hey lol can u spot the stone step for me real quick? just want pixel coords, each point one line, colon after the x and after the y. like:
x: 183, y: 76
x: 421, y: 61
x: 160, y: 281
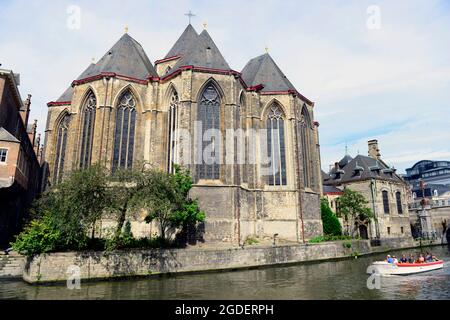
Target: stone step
x: 13, y: 265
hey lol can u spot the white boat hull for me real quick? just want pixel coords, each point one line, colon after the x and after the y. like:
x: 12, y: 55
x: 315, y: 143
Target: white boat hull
x: 385, y: 268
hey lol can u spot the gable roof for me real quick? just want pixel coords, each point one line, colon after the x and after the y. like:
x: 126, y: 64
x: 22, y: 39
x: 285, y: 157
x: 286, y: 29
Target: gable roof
x: 6, y: 136
x: 125, y: 58
x: 263, y: 70
x: 203, y: 53
x: 362, y: 168
x: 183, y: 44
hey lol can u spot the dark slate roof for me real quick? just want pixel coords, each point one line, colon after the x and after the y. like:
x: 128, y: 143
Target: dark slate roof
x: 6, y: 136
x: 331, y: 189
x: 344, y: 161
x: 203, y: 53
x: 363, y: 168
x: 126, y: 58
x: 263, y: 70
x: 183, y: 44
x: 68, y: 94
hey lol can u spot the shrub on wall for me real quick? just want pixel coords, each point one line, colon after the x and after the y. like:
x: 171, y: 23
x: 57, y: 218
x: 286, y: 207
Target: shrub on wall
x: 331, y: 225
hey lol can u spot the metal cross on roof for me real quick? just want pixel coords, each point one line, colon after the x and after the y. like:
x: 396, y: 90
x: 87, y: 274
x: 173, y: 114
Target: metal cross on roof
x: 190, y: 15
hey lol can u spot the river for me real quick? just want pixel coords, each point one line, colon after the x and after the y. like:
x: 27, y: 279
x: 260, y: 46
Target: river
x: 326, y: 280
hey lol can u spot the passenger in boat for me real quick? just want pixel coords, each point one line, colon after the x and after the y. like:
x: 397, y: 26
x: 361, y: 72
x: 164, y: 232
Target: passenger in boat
x: 434, y: 259
x: 421, y: 259
x: 428, y: 257
x: 403, y: 259
x: 395, y: 259
x: 411, y: 259
x: 389, y: 259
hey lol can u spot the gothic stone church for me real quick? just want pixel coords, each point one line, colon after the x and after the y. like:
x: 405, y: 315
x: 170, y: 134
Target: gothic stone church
x: 124, y: 112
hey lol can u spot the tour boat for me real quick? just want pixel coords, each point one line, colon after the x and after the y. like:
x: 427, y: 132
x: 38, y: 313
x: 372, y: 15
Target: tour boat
x: 385, y: 268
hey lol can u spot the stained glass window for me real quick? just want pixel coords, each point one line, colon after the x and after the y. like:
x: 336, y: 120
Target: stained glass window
x: 398, y: 196
x: 87, y: 130
x: 61, y: 145
x: 209, y: 116
x: 386, y: 202
x: 124, y: 134
x: 305, y: 127
x: 276, y: 147
x: 172, y: 138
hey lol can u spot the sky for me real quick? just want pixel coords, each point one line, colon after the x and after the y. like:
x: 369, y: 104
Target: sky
x: 375, y: 69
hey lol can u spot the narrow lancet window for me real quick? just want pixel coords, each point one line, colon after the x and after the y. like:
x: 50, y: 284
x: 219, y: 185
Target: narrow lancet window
x: 276, y: 147
x: 173, y: 130
x: 61, y: 145
x: 87, y: 130
x: 305, y: 138
x: 124, y: 134
x: 209, y: 117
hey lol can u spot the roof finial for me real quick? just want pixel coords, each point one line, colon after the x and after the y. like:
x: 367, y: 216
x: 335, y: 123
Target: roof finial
x: 126, y: 28
x: 205, y: 25
x: 93, y: 60
x: 267, y: 49
x: 346, y: 148
x: 190, y: 15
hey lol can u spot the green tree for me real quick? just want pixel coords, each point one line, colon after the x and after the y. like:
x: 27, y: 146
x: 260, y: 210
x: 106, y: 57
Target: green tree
x: 64, y: 215
x: 331, y: 224
x: 124, y: 187
x: 166, y: 197
x: 353, y: 206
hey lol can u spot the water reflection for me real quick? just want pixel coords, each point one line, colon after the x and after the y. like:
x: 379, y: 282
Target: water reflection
x: 328, y: 280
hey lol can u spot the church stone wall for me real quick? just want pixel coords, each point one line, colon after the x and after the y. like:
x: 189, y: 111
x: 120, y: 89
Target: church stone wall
x: 240, y: 204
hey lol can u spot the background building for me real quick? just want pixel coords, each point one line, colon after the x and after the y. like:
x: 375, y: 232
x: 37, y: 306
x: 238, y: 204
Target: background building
x: 431, y: 172
x: 386, y: 192
x: 19, y: 163
x: 124, y: 112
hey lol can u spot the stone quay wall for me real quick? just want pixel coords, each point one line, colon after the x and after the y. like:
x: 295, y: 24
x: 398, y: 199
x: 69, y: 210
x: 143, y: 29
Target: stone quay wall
x: 57, y: 267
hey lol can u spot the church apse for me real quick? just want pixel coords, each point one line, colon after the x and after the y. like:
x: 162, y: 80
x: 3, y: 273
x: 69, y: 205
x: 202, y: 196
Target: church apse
x: 247, y: 137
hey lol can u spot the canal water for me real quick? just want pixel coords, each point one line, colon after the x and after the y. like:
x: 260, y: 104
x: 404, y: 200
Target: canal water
x: 327, y: 280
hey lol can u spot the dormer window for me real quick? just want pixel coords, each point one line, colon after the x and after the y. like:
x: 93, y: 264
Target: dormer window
x: 338, y: 174
x: 376, y: 169
x: 358, y: 171
x: 169, y: 68
x: 389, y: 172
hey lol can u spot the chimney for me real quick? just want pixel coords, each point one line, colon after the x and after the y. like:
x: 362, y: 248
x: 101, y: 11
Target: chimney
x: 32, y: 133
x: 37, y: 145
x: 374, y: 151
x: 25, y: 112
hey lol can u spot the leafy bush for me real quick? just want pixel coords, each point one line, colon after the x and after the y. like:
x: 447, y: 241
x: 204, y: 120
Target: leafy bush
x: 40, y: 236
x: 251, y: 241
x: 347, y: 245
x: 331, y: 224
x: 328, y: 238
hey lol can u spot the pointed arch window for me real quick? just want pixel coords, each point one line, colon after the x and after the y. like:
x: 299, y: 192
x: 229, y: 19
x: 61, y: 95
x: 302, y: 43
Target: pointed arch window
x: 172, y: 136
x: 87, y: 130
x: 385, y: 196
x: 124, y: 134
x: 305, y: 139
x: 61, y: 145
x: 209, y: 117
x: 276, y: 147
